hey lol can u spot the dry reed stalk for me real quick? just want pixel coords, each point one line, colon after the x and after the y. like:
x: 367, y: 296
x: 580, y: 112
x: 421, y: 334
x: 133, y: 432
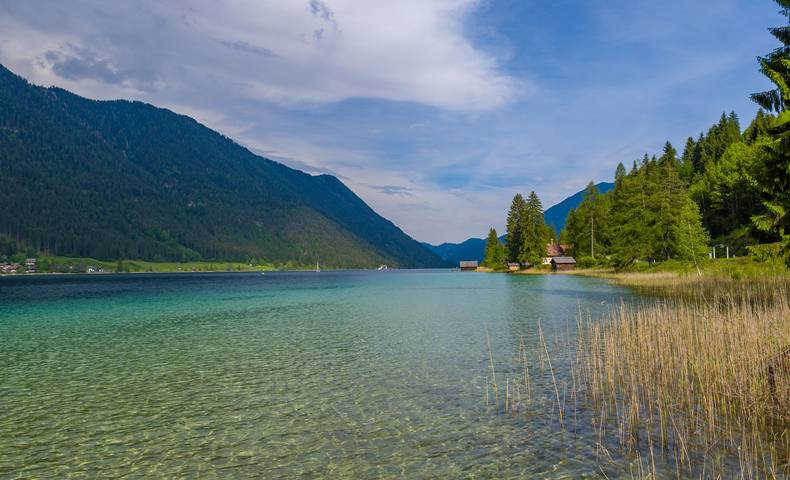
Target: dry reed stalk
x: 553, y: 377
x: 493, y: 370
x: 522, y: 350
x: 703, y: 370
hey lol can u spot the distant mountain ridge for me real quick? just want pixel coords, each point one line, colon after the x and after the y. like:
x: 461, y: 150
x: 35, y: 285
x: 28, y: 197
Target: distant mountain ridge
x: 121, y: 179
x: 471, y: 249
x: 557, y: 215
x: 474, y: 248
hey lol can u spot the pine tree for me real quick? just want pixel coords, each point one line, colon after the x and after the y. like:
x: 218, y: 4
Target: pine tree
x: 687, y: 160
x: 671, y: 194
x: 758, y: 128
x: 690, y: 239
x: 589, y: 231
x: 536, y: 232
x: 494, y: 252
x: 515, y: 222
x: 670, y: 156
x: 619, y: 174
x: 773, y: 173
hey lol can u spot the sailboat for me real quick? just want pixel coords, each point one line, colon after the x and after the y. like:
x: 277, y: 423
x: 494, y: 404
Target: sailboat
x: 317, y: 267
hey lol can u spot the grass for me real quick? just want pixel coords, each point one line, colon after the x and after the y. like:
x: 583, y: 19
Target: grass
x: 703, y: 375
x: 77, y: 265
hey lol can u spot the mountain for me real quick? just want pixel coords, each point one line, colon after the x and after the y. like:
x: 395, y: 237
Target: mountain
x: 556, y: 215
x: 474, y: 248
x: 121, y: 179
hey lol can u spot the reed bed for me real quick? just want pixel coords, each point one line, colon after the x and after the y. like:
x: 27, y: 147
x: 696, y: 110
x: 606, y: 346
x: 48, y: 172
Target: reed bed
x: 696, y: 376
x: 702, y: 375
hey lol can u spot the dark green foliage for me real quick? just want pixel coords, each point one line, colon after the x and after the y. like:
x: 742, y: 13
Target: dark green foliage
x: 715, y: 142
x: 648, y: 216
x: 122, y: 179
x: 587, y: 229
x: 758, y: 128
x: 527, y: 232
x: 728, y: 197
x: 620, y: 173
x: 515, y: 224
x: 536, y: 234
x: 494, y: 252
x: 772, y: 171
x: 687, y: 160
x: 557, y: 215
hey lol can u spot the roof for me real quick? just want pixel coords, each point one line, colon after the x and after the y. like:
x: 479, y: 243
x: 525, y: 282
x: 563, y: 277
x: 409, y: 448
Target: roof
x: 563, y: 260
x: 554, y: 250
x: 468, y: 263
x: 514, y: 264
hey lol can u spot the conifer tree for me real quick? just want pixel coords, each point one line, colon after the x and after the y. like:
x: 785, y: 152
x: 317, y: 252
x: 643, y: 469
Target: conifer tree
x: 494, y: 252
x: 687, y: 160
x: 619, y: 174
x: 758, y: 128
x: 690, y: 239
x: 588, y: 232
x: 536, y: 232
x: 773, y: 172
x: 515, y: 223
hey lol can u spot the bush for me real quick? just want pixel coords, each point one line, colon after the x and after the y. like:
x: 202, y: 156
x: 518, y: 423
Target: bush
x: 767, y: 252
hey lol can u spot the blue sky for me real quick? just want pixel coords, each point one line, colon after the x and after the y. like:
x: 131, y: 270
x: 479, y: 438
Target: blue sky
x: 435, y: 112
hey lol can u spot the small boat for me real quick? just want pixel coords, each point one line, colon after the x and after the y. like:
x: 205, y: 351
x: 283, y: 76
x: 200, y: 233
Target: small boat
x: 382, y: 267
x: 317, y: 267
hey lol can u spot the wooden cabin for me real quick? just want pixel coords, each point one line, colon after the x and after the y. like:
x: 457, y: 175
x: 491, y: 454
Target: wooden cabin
x: 468, y: 265
x: 563, y: 264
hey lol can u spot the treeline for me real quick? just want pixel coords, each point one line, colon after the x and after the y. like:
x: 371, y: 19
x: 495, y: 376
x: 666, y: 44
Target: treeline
x: 526, y: 238
x: 124, y: 180
x: 728, y: 187
x: 649, y: 216
x: 677, y: 206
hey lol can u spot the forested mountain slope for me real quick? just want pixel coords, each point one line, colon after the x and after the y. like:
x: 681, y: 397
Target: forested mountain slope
x: 120, y: 179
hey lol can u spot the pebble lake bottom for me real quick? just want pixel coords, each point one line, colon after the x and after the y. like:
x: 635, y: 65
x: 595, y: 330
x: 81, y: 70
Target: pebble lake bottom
x: 353, y: 374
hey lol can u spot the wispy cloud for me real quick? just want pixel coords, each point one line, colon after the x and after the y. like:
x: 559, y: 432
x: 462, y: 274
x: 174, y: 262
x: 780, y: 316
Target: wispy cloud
x: 435, y: 112
x: 248, y: 48
x: 286, y: 52
x: 393, y: 190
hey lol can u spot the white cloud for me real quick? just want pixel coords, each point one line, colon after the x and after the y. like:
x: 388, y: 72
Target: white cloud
x: 287, y: 52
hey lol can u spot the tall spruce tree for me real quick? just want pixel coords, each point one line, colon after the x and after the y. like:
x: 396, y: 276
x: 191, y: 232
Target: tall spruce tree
x: 536, y: 233
x: 773, y: 172
x: 687, y: 160
x: 620, y: 173
x: 494, y: 252
x: 515, y: 224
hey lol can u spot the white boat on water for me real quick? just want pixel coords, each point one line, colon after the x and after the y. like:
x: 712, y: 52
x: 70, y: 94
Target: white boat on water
x: 382, y: 267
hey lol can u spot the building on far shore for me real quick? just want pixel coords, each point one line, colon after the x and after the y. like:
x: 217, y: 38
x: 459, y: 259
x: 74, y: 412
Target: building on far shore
x: 555, y: 250
x: 30, y: 265
x: 468, y: 265
x: 514, y: 267
x: 562, y: 264
x: 10, y: 268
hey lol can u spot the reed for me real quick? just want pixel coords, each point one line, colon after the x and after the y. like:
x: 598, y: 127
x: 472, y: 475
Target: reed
x: 702, y: 375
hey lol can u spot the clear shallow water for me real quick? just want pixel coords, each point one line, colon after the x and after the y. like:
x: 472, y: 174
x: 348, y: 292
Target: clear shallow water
x: 337, y: 374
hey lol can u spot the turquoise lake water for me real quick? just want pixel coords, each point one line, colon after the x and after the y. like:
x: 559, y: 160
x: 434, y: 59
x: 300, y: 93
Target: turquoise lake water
x: 283, y: 375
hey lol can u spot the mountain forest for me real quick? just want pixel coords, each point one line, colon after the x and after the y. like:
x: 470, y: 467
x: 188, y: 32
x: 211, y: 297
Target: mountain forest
x: 125, y: 180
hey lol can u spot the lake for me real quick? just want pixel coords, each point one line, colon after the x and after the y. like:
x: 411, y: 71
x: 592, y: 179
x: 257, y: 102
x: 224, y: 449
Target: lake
x: 331, y: 374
